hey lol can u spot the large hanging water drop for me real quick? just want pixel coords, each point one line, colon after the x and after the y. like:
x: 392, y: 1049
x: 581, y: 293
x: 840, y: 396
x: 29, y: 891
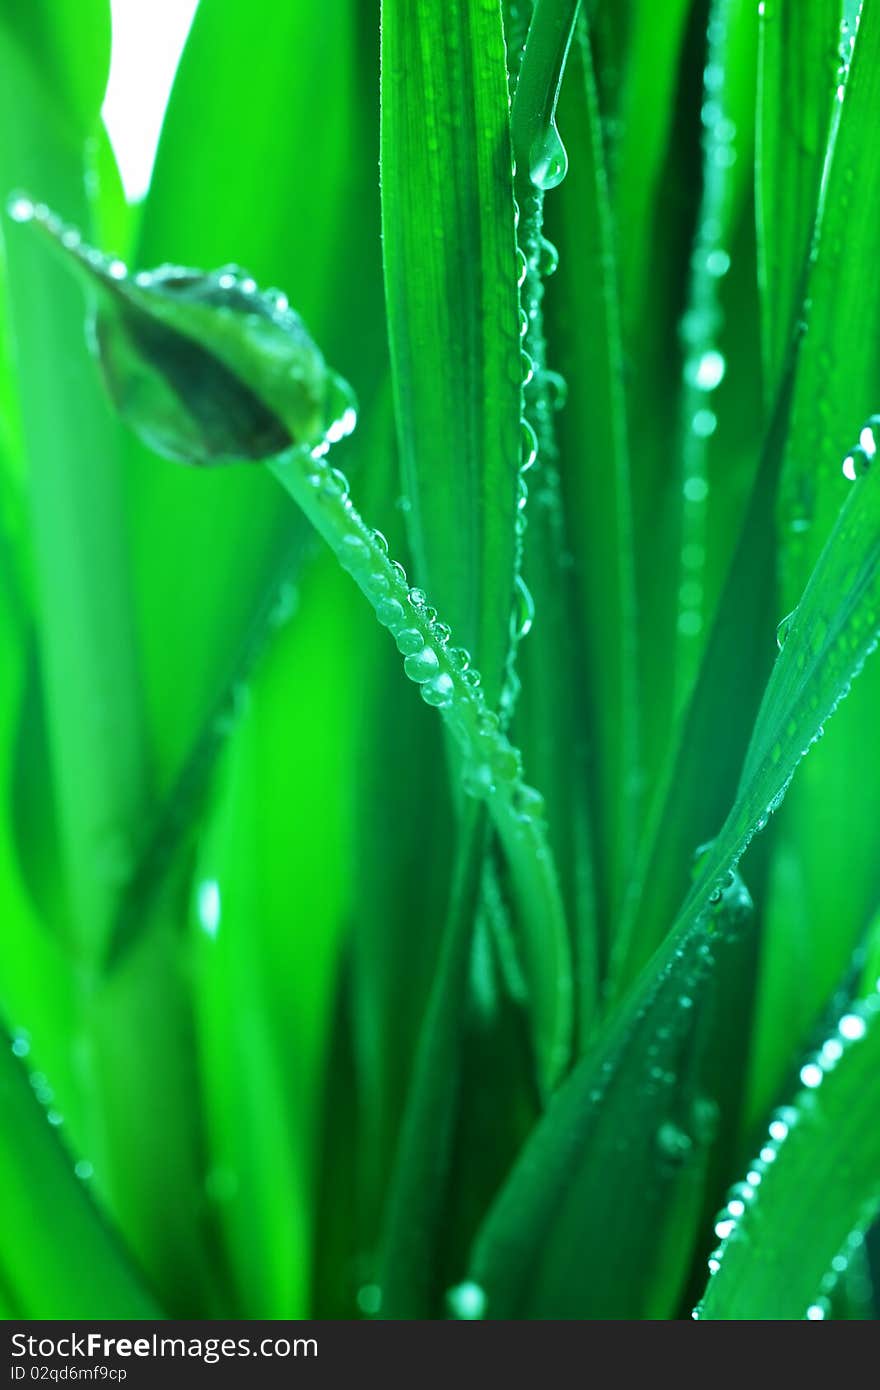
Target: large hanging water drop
x: 548, y: 164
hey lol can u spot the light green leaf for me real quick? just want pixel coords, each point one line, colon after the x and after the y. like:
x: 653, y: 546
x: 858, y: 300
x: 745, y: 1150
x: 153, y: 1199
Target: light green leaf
x: 812, y: 1191
x: 58, y: 1254
x: 450, y: 275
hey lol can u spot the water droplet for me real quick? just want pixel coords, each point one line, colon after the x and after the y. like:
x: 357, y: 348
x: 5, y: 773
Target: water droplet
x: 417, y: 597
x: 83, y: 1169
x: 380, y: 540
x: 522, y: 268
x: 548, y: 159
x: 695, y: 489
x: 674, y: 1144
x: 409, y: 640
x: 20, y: 1045
x: 869, y: 435
x: 473, y: 678
x: 528, y: 446
x: 459, y: 658
x: 706, y: 371
x: 524, y: 609
x: 354, y: 551
x: 209, y: 906
x: 811, y: 1075
x: 438, y: 691
x: 783, y: 628
x: 556, y: 387
x: 725, y: 1224
x: 528, y: 369
x: 548, y: 257
x: 852, y: 1027
x: 369, y: 1300
x: 20, y: 207
x: 782, y: 1121
x: 441, y: 633
x: 506, y: 762
x: 717, y: 263
x: 477, y: 780
x: 856, y: 463
x: 818, y: 1311
x: 399, y: 571
x: 523, y: 323
x: 421, y: 666
x: 529, y: 803
x: 704, y: 424
x: 390, y: 612
x: 467, y: 1301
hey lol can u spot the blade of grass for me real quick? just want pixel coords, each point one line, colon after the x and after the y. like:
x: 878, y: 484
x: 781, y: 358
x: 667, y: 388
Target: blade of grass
x: 91, y: 679
x: 797, y: 78
x: 584, y: 321
x: 830, y: 816
x: 418, y: 1188
x: 52, y: 1233
x: 817, y: 1187
x: 835, y: 629
x: 613, y: 1173
x: 450, y: 275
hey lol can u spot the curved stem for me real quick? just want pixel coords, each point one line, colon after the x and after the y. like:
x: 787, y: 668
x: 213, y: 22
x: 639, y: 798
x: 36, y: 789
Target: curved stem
x: 492, y: 766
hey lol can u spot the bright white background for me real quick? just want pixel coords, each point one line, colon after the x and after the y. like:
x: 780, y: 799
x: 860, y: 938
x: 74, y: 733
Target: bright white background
x: 148, y: 37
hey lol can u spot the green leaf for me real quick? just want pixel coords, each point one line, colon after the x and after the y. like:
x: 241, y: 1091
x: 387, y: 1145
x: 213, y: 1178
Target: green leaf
x: 830, y: 815
x: 811, y: 1193
x: 58, y: 1254
x: 45, y: 36
x: 797, y: 79
x: 204, y: 367
x: 450, y: 275
x: 613, y: 1173
x: 583, y: 311
x: 834, y: 630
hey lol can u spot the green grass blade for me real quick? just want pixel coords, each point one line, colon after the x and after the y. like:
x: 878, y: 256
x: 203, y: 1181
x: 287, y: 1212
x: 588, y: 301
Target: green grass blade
x: 811, y: 1193
x: 236, y: 180
x: 686, y: 806
x: 835, y: 628
x: 418, y: 1189
x: 830, y: 814
x: 797, y: 78
x: 59, y: 1258
x: 613, y: 1172
x: 583, y: 314
x: 93, y: 695
x: 450, y: 263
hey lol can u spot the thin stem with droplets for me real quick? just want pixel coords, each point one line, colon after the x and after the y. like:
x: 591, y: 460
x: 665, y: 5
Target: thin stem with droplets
x: 492, y: 766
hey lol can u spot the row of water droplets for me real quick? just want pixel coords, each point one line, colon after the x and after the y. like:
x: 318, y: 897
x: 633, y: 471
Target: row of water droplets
x: 677, y: 1141
x: 732, y: 1223
x: 230, y: 279
x: 855, y: 465
x: 542, y: 391
x: 443, y: 671
x: 704, y: 364
x: 45, y: 1095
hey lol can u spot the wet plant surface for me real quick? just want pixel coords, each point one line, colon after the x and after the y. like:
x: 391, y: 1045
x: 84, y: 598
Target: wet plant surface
x: 551, y: 993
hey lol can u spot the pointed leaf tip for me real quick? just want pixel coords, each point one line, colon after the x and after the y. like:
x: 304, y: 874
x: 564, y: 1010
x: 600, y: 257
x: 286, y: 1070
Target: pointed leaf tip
x: 203, y: 365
